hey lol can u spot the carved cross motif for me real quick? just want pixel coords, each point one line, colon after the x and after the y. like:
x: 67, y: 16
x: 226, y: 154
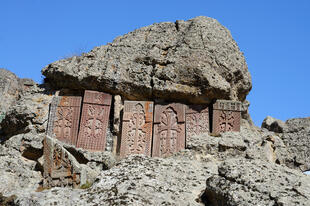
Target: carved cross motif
x: 227, y: 121
x: 63, y: 122
x: 226, y: 116
x: 197, y: 123
x: 94, y: 121
x: 136, y: 133
x: 169, y: 129
x: 58, y: 167
x: 93, y: 127
x: 137, y: 128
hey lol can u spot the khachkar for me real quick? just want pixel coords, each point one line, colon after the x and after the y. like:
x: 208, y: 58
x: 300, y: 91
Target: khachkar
x: 94, y: 120
x: 226, y: 116
x: 63, y: 121
x: 60, y: 167
x: 197, y: 120
x: 137, y: 128
x: 169, y: 129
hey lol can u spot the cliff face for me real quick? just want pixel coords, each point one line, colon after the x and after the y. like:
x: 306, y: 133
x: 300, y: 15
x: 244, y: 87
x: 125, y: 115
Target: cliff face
x: 192, y: 61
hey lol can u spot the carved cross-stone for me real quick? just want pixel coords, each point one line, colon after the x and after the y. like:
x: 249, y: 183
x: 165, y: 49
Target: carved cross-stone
x: 59, y: 170
x: 169, y: 129
x: 226, y: 116
x: 197, y: 120
x: 64, y: 118
x: 137, y: 128
x: 94, y: 120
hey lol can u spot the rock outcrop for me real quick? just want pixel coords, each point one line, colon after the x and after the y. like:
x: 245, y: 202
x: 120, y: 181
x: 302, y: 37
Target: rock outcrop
x: 274, y: 125
x: 295, y: 134
x: 193, y: 61
x: 245, y: 182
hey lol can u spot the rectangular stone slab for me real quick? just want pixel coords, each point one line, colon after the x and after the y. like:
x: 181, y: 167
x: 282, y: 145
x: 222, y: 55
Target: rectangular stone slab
x: 137, y: 128
x: 60, y: 168
x: 169, y: 129
x: 226, y: 116
x: 94, y: 121
x: 64, y: 118
x: 197, y: 120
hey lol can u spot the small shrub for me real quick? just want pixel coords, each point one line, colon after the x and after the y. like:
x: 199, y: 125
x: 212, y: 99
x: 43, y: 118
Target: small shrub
x: 86, y: 185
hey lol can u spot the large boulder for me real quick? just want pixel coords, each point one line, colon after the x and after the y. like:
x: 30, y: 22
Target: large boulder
x: 193, y: 61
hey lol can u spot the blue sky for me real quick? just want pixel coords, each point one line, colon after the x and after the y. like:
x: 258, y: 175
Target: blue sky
x: 274, y: 36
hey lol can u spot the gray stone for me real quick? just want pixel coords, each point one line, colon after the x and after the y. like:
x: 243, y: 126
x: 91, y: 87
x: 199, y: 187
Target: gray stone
x: 29, y: 113
x: 95, y: 160
x: 274, y: 125
x: 18, y: 166
x: 246, y: 182
x: 9, y: 89
x: 194, y: 61
x: 296, y: 138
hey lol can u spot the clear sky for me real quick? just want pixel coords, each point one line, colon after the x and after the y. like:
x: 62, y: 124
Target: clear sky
x: 274, y: 36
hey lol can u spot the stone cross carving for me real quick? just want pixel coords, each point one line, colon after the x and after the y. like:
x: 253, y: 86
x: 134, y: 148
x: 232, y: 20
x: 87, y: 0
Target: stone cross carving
x: 94, y: 120
x: 197, y: 120
x: 226, y: 116
x: 64, y: 118
x: 137, y: 128
x: 59, y: 170
x: 169, y: 129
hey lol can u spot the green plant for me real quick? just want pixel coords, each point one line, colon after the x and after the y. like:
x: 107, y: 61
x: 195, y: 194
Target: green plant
x: 86, y: 185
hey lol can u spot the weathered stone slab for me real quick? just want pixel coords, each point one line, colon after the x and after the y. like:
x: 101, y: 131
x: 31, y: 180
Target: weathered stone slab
x: 60, y: 167
x: 169, y: 129
x: 137, y: 128
x: 197, y: 120
x: 226, y: 116
x: 94, y: 120
x: 64, y: 118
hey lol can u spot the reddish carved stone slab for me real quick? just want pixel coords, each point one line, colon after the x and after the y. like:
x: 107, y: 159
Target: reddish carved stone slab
x: 94, y: 121
x: 226, y: 116
x: 137, y: 128
x: 169, y: 129
x: 197, y: 120
x: 59, y: 169
x: 64, y: 118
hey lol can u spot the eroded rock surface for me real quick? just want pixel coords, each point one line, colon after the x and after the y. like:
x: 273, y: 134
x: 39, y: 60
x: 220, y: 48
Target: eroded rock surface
x: 295, y: 134
x: 246, y: 182
x: 194, y: 61
x: 297, y: 140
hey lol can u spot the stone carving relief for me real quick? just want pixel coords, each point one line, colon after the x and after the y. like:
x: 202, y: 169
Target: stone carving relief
x: 197, y: 120
x: 226, y: 116
x: 58, y: 167
x: 169, y: 129
x: 64, y: 118
x: 137, y: 128
x: 94, y: 121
